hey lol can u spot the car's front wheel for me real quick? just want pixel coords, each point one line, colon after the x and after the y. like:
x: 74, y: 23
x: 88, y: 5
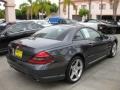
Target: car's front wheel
x: 113, y: 50
x: 74, y: 70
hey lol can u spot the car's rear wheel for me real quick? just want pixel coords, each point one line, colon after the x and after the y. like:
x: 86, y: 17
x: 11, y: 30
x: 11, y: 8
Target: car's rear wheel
x: 74, y: 70
x: 113, y: 50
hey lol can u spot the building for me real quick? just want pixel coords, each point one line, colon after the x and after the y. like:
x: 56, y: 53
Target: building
x: 107, y: 9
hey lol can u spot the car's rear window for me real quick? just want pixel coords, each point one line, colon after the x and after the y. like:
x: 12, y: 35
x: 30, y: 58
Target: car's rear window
x: 54, y: 32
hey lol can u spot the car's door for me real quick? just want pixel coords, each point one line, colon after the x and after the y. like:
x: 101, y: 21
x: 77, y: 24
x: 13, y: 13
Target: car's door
x: 84, y: 45
x: 95, y: 46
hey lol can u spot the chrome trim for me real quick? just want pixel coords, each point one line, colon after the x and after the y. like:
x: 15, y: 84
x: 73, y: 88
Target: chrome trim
x: 97, y: 59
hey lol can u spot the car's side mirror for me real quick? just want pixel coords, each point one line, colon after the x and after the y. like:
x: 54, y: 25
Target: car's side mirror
x: 105, y: 36
x: 99, y: 38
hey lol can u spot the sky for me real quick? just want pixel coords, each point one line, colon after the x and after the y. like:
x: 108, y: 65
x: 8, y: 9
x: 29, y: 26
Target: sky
x: 18, y: 2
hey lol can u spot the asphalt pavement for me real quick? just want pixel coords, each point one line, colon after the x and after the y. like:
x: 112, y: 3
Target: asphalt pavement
x: 104, y: 75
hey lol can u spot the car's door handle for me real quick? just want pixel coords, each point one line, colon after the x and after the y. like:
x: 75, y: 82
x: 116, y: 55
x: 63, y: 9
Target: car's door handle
x: 91, y: 44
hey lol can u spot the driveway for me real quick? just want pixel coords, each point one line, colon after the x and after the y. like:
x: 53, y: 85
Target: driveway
x: 104, y: 75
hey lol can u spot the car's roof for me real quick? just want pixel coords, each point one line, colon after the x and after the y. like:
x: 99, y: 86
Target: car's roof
x: 70, y: 26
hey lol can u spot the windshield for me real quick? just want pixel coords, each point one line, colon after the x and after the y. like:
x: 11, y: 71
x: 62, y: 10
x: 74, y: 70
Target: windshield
x: 17, y: 27
x: 54, y: 32
x: 23, y: 26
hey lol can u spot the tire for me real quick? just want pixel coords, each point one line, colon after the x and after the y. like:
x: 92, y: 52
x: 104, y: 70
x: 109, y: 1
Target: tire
x: 113, y: 50
x: 74, y: 70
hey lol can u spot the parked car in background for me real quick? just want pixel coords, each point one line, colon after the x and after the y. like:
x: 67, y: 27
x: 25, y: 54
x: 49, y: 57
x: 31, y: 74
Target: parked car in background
x: 17, y: 31
x: 2, y: 21
x: 109, y: 27
x: 59, y: 20
x: 5, y: 25
x: 92, y: 23
x: 60, y: 52
x: 43, y: 23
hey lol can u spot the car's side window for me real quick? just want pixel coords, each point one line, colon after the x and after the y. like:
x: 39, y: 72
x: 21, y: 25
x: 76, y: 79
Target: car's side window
x: 90, y: 33
x: 78, y: 36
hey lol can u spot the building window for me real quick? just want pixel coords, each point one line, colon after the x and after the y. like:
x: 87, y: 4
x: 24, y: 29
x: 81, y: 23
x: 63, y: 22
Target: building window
x: 84, y: 6
x: 102, y: 6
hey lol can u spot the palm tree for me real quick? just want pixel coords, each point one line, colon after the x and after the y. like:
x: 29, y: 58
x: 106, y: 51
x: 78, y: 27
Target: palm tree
x: 59, y: 7
x: 30, y: 2
x: 25, y: 9
x: 68, y: 3
x: 36, y: 8
x: 115, y: 7
x: 101, y: 9
x: 89, y: 15
x: 45, y: 7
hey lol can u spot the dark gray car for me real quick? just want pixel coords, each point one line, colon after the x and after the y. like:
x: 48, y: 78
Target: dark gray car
x: 59, y: 52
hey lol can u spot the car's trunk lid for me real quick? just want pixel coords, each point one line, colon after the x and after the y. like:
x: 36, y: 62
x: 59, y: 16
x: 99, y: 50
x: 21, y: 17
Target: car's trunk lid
x: 28, y: 47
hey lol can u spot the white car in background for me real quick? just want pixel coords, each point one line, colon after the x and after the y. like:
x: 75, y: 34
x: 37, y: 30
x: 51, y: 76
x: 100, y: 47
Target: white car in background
x: 92, y: 23
x: 119, y: 23
x: 44, y: 23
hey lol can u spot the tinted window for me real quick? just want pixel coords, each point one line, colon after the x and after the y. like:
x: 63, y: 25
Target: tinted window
x: 90, y: 33
x: 55, y: 32
x: 18, y: 27
x: 78, y: 36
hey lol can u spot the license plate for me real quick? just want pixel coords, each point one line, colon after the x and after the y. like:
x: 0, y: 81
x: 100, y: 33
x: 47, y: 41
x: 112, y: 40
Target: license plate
x: 18, y: 53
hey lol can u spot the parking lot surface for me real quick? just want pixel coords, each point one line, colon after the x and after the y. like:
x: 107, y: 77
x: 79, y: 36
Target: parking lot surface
x: 104, y: 75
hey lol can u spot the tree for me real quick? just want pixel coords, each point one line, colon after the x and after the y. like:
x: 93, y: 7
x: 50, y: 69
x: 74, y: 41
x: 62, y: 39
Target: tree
x: 53, y: 8
x: 101, y: 9
x: 115, y: 7
x: 2, y: 14
x: 30, y: 7
x: 68, y: 3
x: 18, y: 13
x: 36, y: 8
x: 59, y: 7
x: 83, y: 12
x: 89, y: 15
x: 25, y: 10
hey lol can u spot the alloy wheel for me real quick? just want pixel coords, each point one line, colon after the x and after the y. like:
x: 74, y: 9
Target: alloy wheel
x: 76, y: 70
x: 114, y: 49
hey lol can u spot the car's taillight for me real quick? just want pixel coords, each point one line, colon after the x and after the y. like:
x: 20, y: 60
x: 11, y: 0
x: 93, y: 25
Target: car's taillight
x: 41, y: 58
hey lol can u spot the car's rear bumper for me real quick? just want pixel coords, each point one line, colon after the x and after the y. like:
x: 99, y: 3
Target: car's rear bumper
x: 37, y: 72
